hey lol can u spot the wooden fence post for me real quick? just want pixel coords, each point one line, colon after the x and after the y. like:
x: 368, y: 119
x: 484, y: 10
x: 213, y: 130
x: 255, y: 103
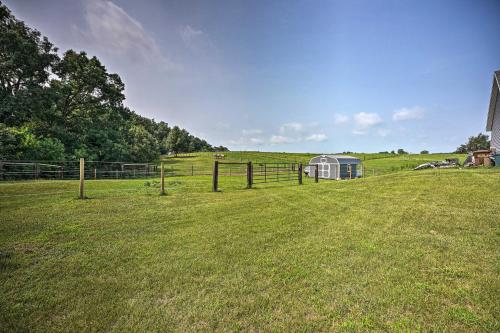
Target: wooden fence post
x: 37, y: 167
x: 316, y: 174
x: 215, y: 177
x: 192, y: 170
x: 249, y: 175
x: 300, y: 173
x: 162, y: 182
x: 95, y: 173
x: 82, y: 177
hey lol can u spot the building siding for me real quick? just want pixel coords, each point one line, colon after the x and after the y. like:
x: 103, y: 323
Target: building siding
x: 495, y: 128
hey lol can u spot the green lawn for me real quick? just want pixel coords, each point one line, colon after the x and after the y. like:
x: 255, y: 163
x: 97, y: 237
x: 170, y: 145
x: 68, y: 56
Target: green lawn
x: 408, y: 251
x: 374, y: 164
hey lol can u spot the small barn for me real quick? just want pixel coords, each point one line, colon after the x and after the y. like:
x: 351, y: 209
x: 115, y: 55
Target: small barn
x: 335, y: 167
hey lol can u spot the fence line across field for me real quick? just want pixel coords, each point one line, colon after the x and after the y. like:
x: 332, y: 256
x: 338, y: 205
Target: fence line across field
x: 62, y: 170
x: 260, y: 173
x: 15, y: 170
x: 255, y: 172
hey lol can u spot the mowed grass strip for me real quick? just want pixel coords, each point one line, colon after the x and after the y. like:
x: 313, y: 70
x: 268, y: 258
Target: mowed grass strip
x: 413, y: 251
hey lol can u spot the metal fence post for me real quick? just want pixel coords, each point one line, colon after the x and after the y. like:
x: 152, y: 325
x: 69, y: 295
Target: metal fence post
x: 215, y: 176
x: 162, y: 175
x: 316, y: 174
x: 300, y: 173
x: 82, y: 178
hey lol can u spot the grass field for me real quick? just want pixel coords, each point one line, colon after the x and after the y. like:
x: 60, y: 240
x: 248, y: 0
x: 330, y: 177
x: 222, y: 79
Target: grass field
x: 407, y: 251
x: 374, y: 164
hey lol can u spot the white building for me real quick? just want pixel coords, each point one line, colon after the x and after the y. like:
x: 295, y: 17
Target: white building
x: 493, y: 123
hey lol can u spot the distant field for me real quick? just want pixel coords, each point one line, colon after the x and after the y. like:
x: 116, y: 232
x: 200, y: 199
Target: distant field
x: 374, y: 164
x: 410, y: 251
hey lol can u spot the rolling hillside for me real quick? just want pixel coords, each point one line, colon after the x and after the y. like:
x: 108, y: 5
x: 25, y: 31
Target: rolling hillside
x: 375, y: 164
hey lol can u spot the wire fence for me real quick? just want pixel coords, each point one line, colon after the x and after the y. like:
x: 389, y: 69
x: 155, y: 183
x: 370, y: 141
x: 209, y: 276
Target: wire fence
x: 65, y: 170
x: 69, y: 169
x: 61, y: 177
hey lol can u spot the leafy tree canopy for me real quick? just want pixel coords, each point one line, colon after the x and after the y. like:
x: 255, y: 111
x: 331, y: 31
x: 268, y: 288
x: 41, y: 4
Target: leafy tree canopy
x: 479, y: 142
x: 54, y: 108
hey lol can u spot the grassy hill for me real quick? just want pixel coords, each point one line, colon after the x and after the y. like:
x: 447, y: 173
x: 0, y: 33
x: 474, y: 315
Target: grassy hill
x: 413, y: 251
x: 374, y: 164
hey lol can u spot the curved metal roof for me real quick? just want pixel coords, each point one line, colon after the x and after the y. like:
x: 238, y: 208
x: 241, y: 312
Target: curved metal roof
x: 342, y: 159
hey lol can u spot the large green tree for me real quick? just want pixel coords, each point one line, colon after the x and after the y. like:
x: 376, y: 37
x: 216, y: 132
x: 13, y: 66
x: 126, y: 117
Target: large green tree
x: 173, y: 142
x: 53, y: 108
x: 479, y: 142
x: 25, y: 62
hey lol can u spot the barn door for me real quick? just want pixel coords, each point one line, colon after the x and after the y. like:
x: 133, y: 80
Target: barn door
x: 324, y: 170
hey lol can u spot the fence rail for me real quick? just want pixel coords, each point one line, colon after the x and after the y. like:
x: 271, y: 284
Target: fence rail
x: 260, y: 173
x: 16, y: 170
x: 274, y: 172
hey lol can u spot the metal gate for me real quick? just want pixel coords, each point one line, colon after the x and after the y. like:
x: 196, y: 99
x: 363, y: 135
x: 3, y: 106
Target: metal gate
x: 260, y: 173
x: 274, y: 172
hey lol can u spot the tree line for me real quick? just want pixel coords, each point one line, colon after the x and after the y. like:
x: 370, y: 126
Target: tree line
x: 56, y: 108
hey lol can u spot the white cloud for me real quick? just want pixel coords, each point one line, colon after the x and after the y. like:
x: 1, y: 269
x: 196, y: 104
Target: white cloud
x: 358, y: 132
x: 317, y: 137
x: 245, y: 141
x: 112, y: 30
x: 366, y: 120
x: 383, y: 132
x: 291, y: 127
x: 256, y: 141
x: 341, y: 119
x: 195, y: 39
x: 188, y: 34
x: 252, y: 131
x: 415, y: 112
x: 277, y: 139
x: 294, y: 132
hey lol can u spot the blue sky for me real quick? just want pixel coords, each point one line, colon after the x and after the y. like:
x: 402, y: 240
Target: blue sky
x: 296, y: 76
